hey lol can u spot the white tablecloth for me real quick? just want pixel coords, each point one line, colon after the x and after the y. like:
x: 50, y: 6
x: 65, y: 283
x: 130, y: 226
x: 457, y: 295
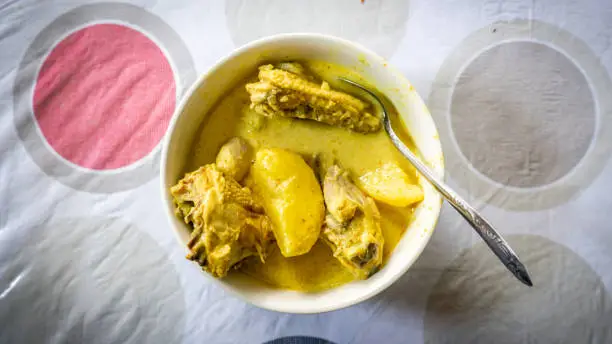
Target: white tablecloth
x: 520, y: 92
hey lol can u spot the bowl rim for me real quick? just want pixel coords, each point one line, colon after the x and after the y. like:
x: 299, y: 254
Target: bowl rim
x: 324, y: 308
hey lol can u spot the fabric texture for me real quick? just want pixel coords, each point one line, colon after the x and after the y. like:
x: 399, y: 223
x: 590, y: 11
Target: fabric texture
x: 520, y: 93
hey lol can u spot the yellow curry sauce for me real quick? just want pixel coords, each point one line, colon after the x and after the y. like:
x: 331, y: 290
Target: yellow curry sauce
x: 359, y: 153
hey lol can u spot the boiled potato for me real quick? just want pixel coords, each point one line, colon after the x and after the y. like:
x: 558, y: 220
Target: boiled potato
x: 234, y: 158
x: 391, y: 185
x: 292, y: 198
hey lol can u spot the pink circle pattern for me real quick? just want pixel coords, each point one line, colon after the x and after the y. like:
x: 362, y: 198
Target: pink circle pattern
x: 104, y: 96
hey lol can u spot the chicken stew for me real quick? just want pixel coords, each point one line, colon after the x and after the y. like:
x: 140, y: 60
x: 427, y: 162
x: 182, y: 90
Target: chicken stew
x: 295, y: 183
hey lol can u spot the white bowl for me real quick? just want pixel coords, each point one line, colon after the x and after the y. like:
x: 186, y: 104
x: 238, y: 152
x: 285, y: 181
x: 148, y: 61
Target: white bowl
x: 244, y: 61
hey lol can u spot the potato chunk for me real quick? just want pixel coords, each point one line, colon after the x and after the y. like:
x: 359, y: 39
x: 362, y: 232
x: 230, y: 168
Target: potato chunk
x: 234, y: 158
x: 292, y: 198
x: 390, y: 185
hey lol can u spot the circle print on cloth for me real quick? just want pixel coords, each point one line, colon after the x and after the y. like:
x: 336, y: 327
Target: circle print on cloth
x: 104, y: 97
x: 379, y: 25
x: 299, y: 340
x: 476, y: 300
x: 537, y: 115
x: 95, y: 92
x: 94, y: 280
x: 526, y: 123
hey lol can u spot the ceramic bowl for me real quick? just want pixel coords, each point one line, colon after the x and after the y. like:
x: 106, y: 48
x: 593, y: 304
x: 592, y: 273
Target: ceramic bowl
x: 222, y: 77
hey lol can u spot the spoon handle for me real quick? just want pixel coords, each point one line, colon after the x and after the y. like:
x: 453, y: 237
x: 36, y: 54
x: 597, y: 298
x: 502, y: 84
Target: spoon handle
x: 498, y: 245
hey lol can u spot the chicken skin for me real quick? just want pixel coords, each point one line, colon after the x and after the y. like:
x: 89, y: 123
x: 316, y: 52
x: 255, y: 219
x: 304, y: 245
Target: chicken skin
x: 228, y: 224
x: 352, y: 225
x: 288, y: 92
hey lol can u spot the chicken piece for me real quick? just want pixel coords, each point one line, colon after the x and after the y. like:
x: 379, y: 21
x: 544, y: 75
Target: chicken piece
x: 281, y: 93
x: 342, y: 197
x: 352, y: 225
x: 295, y: 68
x: 234, y: 158
x: 228, y: 224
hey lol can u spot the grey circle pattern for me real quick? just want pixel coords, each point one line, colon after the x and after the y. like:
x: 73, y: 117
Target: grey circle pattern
x: 379, y: 25
x: 94, y: 280
x: 476, y: 300
x: 79, y: 178
x: 523, y: 114
x: 494, y: 146
x: 299, y: 340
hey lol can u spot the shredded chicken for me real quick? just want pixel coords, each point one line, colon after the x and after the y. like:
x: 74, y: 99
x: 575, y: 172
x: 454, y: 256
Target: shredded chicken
x: 288, y: 92
x: 228, y: 224
x: 352, y: 225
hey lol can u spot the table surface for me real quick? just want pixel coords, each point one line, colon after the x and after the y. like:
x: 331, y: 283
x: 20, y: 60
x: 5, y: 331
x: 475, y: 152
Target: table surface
x: 519, y: 90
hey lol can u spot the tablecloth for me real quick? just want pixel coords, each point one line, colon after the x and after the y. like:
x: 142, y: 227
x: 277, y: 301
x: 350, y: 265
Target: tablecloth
x: 520, y: 91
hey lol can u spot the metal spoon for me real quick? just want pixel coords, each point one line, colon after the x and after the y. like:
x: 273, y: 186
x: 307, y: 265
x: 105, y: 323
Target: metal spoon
x: 496, y: 243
